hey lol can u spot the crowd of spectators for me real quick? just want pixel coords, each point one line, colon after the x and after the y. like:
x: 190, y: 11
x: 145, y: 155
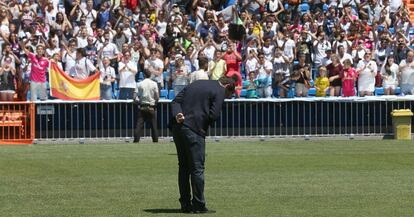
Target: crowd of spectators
x: 277, y: 48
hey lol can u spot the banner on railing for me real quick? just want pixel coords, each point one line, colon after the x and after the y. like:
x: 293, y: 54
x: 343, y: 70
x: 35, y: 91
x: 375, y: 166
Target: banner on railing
x: 64, y: 87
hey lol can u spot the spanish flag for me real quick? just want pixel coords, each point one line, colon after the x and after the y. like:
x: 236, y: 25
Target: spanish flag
x: 64, y: 87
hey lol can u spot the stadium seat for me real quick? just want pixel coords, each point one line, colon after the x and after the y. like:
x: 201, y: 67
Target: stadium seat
x: 391, y: 30
x: 304, y: 8
x: 163, y: 94
x: 291, y: 93
x: 243, y: 93
x: 140, y: 76
x: 275, y: 92
x: 312, y: 83
x: 379, y: 91
x: 312, y: 92
x: 397, y: 90
x: 171, y: 94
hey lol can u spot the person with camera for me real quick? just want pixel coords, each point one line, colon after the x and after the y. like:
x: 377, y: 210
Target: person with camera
x: 302, y: 75
x: 148, y: 97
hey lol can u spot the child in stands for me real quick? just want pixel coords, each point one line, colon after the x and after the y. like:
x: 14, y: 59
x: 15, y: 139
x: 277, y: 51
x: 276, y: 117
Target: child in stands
x: 348, y: 79
x: 322, y: 82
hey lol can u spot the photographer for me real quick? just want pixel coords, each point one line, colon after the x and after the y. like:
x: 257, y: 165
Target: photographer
x: 302, y: 75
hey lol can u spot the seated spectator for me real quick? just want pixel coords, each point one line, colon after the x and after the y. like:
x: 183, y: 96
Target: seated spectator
x: 322, y: 82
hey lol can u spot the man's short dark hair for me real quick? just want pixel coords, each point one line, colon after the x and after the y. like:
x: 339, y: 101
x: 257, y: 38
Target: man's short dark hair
x: 203, y: 63
x: 147, y: 73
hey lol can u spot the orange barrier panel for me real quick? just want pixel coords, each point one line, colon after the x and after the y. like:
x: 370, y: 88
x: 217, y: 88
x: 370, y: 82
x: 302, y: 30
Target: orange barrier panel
x: 17, y: 123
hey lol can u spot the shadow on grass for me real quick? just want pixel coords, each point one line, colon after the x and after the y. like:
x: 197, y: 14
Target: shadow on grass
x: 161, y: 210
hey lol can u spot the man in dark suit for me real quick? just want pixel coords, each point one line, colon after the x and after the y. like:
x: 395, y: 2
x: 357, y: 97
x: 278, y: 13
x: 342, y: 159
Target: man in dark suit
x: 196, y: 107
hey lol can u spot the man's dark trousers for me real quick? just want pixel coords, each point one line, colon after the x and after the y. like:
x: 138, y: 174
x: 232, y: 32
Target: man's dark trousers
x: 146, y: 114
x: 191, y: 156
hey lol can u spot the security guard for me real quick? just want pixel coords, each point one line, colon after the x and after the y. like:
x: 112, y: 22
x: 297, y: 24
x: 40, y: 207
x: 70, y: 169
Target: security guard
x: 148, y: 97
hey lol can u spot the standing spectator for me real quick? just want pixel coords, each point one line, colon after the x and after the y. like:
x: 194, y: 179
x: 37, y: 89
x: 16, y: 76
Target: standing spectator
x: 264, y: 77
x: 7, y: 80
x: 180, y: 74
x: 302, y: 75
x: 348, y: 79
x: 127, y: 70
x: 39, y: 65
x: 406, y: 74
x: 200, y: 74
x: 251, y: 86
x: 217, y: 67
x: 69, y: 56
x: 367, y: 70
x: 148, y: 97
x: 155, y: 65
x: 389, y: 72
x: 281, y: 76
x: 342, y: 55
x: 335, y: 71
x: 233, y: 58
x: 320, y: 46
x: 322, y: 82
x: 107, y: 78
x: 83, y: 67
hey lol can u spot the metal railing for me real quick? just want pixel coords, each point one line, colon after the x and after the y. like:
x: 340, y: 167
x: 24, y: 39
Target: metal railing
x: 239, y: 118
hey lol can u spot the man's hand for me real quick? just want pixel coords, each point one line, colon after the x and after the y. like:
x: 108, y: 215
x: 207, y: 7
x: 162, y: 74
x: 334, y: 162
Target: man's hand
x: 179, y: 118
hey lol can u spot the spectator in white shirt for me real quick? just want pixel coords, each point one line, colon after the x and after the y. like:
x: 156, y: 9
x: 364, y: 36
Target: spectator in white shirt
x: 127, y: 70
x: 83, y: 66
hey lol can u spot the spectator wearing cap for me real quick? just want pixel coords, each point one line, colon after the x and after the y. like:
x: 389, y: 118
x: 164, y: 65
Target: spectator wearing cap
x: 406, y: 74
x: 127, y: 70
x: 327, y: 60
x: 39, y: 65
x: 180, y: 74
x: 367, y: 70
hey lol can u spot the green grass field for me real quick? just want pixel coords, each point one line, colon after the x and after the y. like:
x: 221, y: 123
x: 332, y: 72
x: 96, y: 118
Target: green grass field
x: 272, y: 178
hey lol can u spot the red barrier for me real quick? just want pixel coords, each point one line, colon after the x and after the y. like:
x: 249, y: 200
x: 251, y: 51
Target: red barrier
x: 17, y: 123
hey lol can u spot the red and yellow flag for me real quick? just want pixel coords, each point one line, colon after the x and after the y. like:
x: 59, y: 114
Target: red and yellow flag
x: 64, y: 87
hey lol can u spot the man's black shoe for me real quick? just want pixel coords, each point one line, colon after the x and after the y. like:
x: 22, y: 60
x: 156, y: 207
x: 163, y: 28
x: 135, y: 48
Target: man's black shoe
x: 187, y: 209
x: 203, y: 210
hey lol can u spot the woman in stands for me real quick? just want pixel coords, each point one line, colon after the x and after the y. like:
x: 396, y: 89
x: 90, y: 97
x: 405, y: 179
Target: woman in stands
x: 7, y: 80
x: 335, y: 70
x: 367, y: 70
x: 233, y: 58
x: 389, y: 73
